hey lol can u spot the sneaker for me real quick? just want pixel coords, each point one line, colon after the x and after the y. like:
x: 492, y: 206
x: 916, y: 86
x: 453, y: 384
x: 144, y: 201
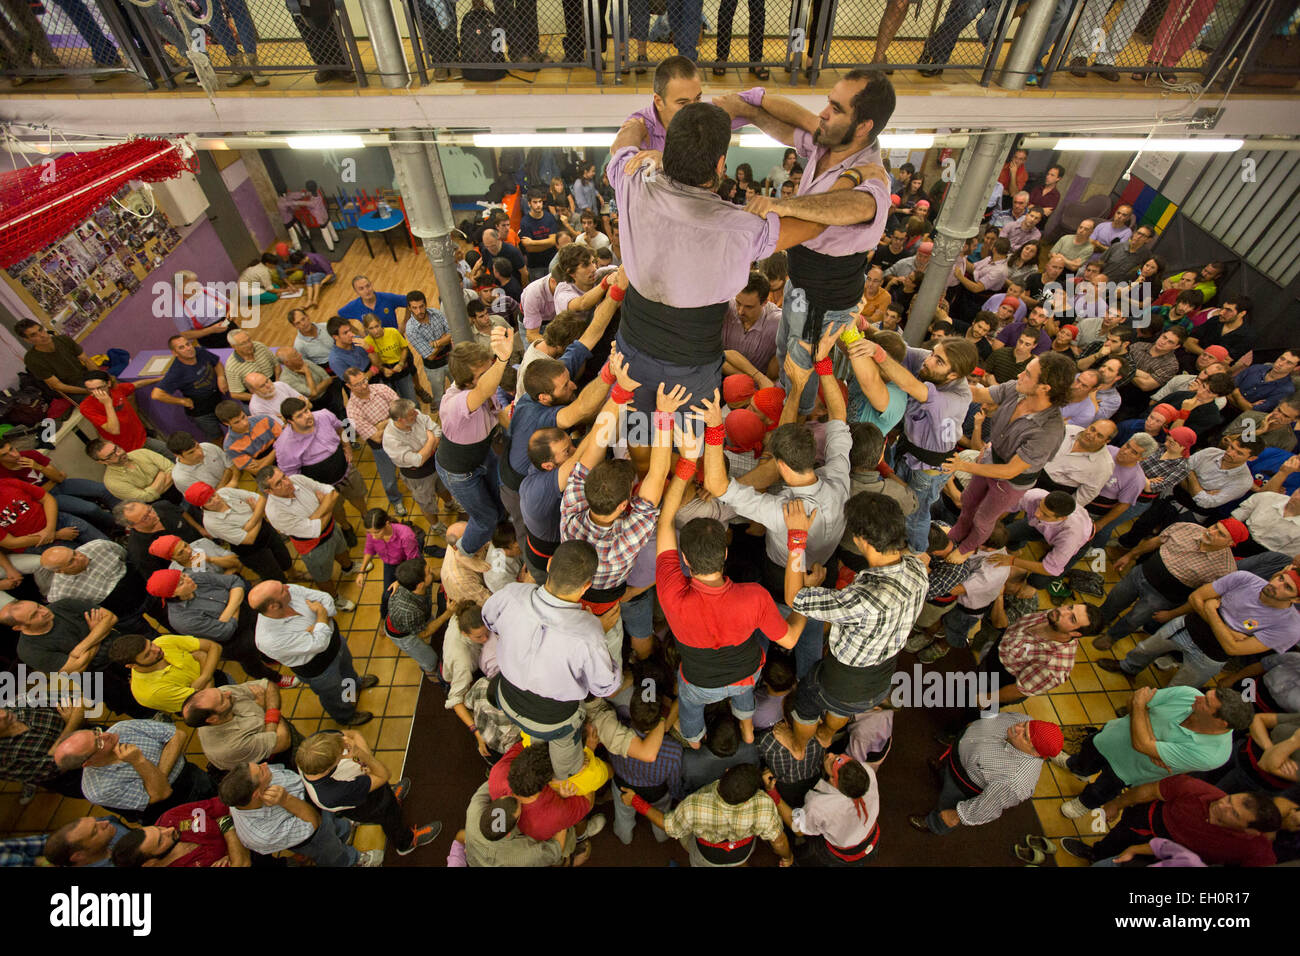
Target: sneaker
x: 288, y: 683
x: 368, y: 681
x: 28, y: 795
x: 1062, y: 760
x: 1112, y: 666
x: 595, y: 823
x: 399, y: 509
x: 401, y: 789
x: 344, y: 605
x: 929, y: 655
x: 370, y: 858
x: 435, y: 551
x: 358, y: 718
x: 918, y: 640
x: 1077, y: 848
x: 422, y: 836
x: 1165, y: 662
x: 439, y: 530
x: 1073, y: 809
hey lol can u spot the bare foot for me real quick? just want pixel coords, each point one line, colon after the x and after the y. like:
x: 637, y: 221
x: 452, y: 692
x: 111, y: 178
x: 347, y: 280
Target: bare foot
x: 824, y: 736
x: 785, y: 737
x: 695, y: 745
x: 956, y: 556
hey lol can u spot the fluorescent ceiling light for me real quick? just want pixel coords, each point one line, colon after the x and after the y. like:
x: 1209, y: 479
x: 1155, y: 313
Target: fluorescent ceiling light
x: 1141, y: 144
x: 887, y: 141
x: 337, y: 141
x: 543, y: 139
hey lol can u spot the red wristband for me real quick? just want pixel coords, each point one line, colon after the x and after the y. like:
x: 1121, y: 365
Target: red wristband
x: 776, y: 797
x: 616, y: 293
x: 620, y: 395
x: 607, y: 375
x: 824, y: 366
x: 272, y: 716
x: 664, y: 421
x: 604, y: 283
x: 796, y: 540
x: 880, y: 355
x: 640, y: 805
x: 715, y: 434
x: 685, y: 469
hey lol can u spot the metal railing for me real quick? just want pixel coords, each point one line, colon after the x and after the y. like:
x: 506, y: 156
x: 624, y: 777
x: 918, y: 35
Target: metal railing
x: 250, y: 40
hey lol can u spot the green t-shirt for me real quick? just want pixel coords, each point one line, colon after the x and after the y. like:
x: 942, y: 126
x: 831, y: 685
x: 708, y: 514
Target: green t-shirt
x: 1182, y: 749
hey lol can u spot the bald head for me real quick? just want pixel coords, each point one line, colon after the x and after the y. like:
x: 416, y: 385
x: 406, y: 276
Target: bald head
x: 57, y: 558
x: 289, y: 357
x: 259, y: 384
x: 269, y: 597
x: 74, y: 750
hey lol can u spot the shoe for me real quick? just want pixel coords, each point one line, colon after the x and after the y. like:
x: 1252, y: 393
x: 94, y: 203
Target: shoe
x: 1076, y: 847
x: 595, y: 823
x: 1107, y: 73
x: 1140, y: 78
x: 28, y: 795
x: 357, y: 719
x: 401, y: 789
x: 353, y: 827
x: 929, y: 72
x: 1073, y: 809
x: 928, y: 655
x: 719, y: 71
x: 1112, y: 666
x: 1079, y: 66
x: 435, y: 551
x: 1103, y: 643
x: 368, y: 681
x: 288, y: 683
x: 1165, y: 662
x: 1168, y: 77
x: 441, y: 73
x: 918, y: 822
x: 1028, y: 855
x: 918, y: 640
x: 399, y: 509
x: 370, y: 858
x: 344, y: 605
x: 1062, y: 760
x: 1040, y: 843
x: 439, y: 530
x: 760, y: 73
x: 324, y: 76
x: 642, y: 66
x: 422, y: 836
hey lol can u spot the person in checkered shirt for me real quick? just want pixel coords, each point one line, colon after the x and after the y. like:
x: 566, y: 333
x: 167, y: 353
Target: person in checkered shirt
x: 1036, y: 653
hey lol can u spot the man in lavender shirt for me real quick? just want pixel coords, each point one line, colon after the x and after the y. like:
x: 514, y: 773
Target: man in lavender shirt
x: 841, y: 146
x: 1053, y: 517
x: 1109, y: 233
x: 671, y: 329
x: 677, y: 83
x: 312, y: 445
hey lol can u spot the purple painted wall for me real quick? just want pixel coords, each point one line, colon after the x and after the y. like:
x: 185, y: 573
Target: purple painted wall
x: 133, y: 325
x: 254, y: 215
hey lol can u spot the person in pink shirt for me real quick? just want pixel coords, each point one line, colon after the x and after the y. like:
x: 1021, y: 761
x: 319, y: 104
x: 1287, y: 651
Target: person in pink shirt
x: 390, y: 542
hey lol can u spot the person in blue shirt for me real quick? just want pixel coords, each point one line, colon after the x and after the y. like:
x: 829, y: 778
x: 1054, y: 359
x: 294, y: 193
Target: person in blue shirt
x: 346, y: 353
x: 1261, y: 387
x: 537, y: 229
x: 369, y: 302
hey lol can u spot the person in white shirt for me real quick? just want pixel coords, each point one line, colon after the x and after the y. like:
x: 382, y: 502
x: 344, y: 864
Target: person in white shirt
x: 1081, y: 466
x: 302, y: 509
x: 199, y: 461
x: 238, y: 517
x: 1273, y: 521
x: 410, y: 440
x: 296, y: 627
x: 268, y: 396
x: 591, y: 237
x: 839, y: 817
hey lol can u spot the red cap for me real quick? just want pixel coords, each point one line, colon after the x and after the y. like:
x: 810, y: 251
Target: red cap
x: 164, y: 547
x: 1294, y: 575
x: 1010, y: 300
x: 1072, y: 329
x: 922, y: 204
x: 978, y: 371
x: 1166, y: 410
x: 1185, y: 437
x: 769, y: 401
x: 1219, y: 352
x: 745, y: 430
x: 199, y: 493
x: 162, y: 584
x: 1046, y: 737
x: 737, y: 389
x: 1236, y: 529
x: 895, y: 199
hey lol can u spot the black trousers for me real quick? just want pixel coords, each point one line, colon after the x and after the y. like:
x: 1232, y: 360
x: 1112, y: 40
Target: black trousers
x: 575, y: 43
x: 1133, y: 828
x: 193, y: 784
x: 316, y: 25
x: 242, y: 649
x: 266, y: 554
x: 757, y: 22
x: 439, y: 43
x: 1088, y: 761
x: 382, y: 808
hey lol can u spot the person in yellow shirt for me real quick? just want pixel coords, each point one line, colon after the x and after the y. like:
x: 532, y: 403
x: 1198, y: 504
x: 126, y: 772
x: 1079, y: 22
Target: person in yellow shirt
x: 140, y: 475
x: 165, y: 671
x: 390, y: 349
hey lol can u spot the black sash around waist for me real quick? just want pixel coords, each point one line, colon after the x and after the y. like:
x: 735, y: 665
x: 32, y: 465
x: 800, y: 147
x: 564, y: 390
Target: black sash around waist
x: 430, y: 467
x: 649, y: 794
x: 829, y: 282
x: 318, y: 664
x: 1198, y: 629
x: 534, y: 707
x: 932, y: 458
x: 680, y: 336
x: 1026, y: 478
x: 330, y: 470
x: 1046, y: 483
x: 506, y: 471
x: 461, y: 459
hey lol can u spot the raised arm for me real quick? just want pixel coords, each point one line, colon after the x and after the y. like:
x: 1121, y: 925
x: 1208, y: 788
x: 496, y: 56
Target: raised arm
x: 661, y: 453
x: 503, y: 343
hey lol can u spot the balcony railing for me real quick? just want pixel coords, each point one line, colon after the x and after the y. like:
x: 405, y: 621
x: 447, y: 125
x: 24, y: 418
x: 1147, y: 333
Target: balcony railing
x: 251, y: 41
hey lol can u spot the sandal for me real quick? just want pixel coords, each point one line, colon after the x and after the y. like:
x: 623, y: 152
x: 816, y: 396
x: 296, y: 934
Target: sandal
x: 719, y: 71
x: 761, y: 73
x: 1042, y: 844
x: 1029, y: 855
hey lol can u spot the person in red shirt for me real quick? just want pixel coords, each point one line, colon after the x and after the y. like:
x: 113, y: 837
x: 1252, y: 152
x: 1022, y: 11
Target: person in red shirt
x: 88, y: 500
x: 114, y: 416
x: 30, y: 520
x: 719, y: 624
x: 525, y: 773
x: 1222, y: 829
x: 193, y: 834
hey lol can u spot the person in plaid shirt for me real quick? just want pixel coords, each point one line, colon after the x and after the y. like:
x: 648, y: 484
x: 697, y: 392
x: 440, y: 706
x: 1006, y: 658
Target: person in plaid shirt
x: 717, y: 824
x: 27, y: 735
x: 946, y: 580
x: 1036, y: 653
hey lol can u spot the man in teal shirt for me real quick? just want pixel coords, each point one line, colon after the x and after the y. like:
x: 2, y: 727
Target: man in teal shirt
x: 1170, y: 731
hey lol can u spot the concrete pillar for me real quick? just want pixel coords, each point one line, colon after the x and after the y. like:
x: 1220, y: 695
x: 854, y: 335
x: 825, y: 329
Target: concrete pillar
x: 423, y: 187
x: 1023, y: 58
x: 386, y: 42
x: 968, y: 197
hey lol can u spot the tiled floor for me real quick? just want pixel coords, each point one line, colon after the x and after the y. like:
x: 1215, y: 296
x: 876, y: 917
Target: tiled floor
x: 393, y: 701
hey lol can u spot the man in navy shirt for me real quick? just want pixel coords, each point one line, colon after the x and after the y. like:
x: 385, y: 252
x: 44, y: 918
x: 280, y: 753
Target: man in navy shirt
x: 200, y: 378
x: 1261, y: 387
x: 345, y: 353
x: 369, y: 302
x: 537, y: 229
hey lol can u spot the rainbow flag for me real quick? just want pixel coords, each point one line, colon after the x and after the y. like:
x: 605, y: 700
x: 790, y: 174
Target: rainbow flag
x: 1149, y: 207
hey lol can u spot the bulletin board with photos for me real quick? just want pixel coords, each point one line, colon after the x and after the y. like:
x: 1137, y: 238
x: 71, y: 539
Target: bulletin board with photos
x: 74, y: 282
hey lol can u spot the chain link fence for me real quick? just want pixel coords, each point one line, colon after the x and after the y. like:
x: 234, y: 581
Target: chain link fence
x: 484, y: 41
x: 63, y: 38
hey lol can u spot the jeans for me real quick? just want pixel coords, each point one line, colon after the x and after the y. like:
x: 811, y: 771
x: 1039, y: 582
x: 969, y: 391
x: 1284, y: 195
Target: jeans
x: 938, y: 49
x: 1265, y: 564
x: 1091, y: 37
x: 625, y: 819
x: 101, y: 46
x: 808, y: 651
x: 403, y: 385
x: 684, y: 15
x: 416, y: 649
x: 1197, y: 667
x: 326, y: 847
x: 85, y: 532
x: 927, y: 485
x: 951, y: 795
x: 957, y: 624
x: 328, y: 686
x: 238, y: 11
x: 387, y: 474
x: 564, y: 740
x: 638, y: 615
x: 638, y: 13
x: 438, y: 26
x: 78, y: 496
x: 1132, y: 589
x: 792, y: 329
x: 1101, y: 536
x: 476, y: 492
x: 691, y: 701
x: 210, y: 425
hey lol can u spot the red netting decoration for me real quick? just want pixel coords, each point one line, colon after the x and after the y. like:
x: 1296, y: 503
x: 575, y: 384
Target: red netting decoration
x: 42, y: 203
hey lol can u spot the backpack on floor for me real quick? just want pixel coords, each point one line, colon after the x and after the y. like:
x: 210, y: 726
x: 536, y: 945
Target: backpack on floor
x: 477, y: 32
